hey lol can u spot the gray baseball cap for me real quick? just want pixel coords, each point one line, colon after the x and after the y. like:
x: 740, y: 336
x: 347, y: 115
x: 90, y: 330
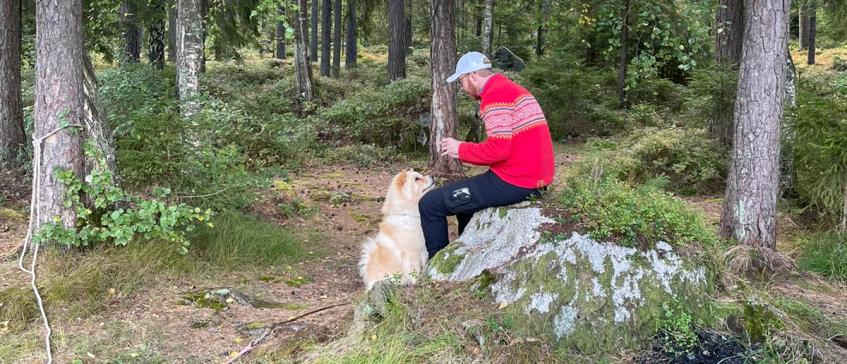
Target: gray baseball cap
x: 470, y: 62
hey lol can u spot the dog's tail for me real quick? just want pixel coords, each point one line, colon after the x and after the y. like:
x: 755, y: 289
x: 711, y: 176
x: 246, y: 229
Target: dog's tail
x: 368, y: 249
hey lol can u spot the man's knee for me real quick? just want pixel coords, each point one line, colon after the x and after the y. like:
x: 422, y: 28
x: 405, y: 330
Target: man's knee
x: 428, y: 204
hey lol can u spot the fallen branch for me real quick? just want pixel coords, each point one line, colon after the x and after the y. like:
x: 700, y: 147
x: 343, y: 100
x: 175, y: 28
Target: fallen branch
x: 268, y: 331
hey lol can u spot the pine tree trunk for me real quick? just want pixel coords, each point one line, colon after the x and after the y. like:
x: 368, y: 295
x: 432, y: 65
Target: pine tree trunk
x: 313, y: 45
x: 545, y: 14
x: 11, y: 111
x: 172, y: 32
x: 156, y: 53
x: 396, y: 54
x: 486, y: 27
x: 190, y: 56
x: 813, y: 30
x: 803, y: 25
x: 336, y: 40
x: 204, y: 10
x: 326, y: 36
x: 352, y: 51
x: 58, y: 110
x: 787, y: 133
x: 131, y: 33
x: 407, y: 29
x: 280, y: 35
x: 302, y: 67
x: 749, y: 208
x: 97, y: 129
x: 728, y: 40
x: 444, y: 120
x: 623, y: 59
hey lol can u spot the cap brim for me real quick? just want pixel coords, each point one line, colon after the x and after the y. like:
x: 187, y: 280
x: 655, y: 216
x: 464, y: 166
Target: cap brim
x: 454, y: 77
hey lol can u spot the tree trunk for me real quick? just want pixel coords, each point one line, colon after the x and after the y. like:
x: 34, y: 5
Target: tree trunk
x: 97, y: 129
x: 486, y: 27
x: 313, y: 45
x: 280, y: 35
x: 11, y: 111
x: 803, y: 25
x: 444, y: 120
x: 749, y: 208
x: 156, y: 53
x: 172, y: 33
x: 131, y: 33
x: 407, y: 29
x: 204, y: 10
x: 728, y: 40
x: 396, y: 54
x: 190, y: 56
x: 352, y: 51
x: 623, y: 60
x: 302, y: 67
x: 545, y: 14
x: 59, y: 99
x: 326, y: 36
x: 813, y: 30
x: 336, y: 40
x: 787, y: 133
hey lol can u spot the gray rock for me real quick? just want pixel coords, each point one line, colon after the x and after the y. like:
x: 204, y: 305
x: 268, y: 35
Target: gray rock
x: 503, y: 58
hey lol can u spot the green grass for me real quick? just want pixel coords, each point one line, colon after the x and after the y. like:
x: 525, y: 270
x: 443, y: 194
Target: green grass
x: 825, y: 253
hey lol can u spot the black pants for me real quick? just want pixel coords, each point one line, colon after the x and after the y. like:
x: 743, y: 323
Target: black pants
x: 463, y: 198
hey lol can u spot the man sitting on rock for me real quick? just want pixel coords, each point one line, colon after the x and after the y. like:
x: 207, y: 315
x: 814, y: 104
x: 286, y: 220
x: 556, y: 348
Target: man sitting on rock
x: 518, y: 149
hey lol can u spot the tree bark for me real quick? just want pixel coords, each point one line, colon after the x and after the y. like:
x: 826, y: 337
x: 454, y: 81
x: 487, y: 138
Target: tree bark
x: 803, y: 25
x: 545, y: 15
x: 280, y: 35
x: 396, y: 54
x: 172, y: 32
x: 352, y: 47
x: 444, y: 120
x: 131, y: 33
x: 302, y: 67
x: 190, y: 55
x: 326, y: 36
x: 623, y: 59
x: 97, y: 129
x: 336, y: 40
x: 156, y: 53
x: 407, y: 29
x: 813, y: 30
x: 204, y: 10
x: 486, y: 27
x: 59, y: 99
x: 313, y: 45
x: 728, y: 40
x: 749, y: 208
x: 12, y: 136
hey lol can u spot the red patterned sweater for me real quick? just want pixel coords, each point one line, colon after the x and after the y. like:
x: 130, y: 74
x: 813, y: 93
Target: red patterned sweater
x: 518, y: 149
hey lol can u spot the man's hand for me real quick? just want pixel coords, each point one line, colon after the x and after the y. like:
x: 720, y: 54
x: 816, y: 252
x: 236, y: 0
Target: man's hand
x: 450, y: 147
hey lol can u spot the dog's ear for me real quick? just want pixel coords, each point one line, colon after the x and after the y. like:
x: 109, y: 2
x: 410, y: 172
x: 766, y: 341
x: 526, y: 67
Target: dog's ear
x: 400, y: 180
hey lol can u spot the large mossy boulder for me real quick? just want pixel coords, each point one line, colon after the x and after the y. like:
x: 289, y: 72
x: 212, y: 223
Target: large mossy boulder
x: 587, y: 295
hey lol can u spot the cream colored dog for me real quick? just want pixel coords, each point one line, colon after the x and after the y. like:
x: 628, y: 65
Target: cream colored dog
x: 399, y: 246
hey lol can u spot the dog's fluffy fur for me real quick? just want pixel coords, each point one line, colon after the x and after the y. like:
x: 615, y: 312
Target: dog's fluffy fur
x: 398, y: 248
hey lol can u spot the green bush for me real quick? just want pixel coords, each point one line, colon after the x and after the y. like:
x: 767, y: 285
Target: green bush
x: 684, y: 157
x: 711, y: 94
x: 577, y: 100
x: 635, y: 216
x: 825, y: 253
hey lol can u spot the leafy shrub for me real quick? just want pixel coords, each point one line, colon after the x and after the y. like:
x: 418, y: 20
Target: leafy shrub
x: 676, y: 334
x: 636, y: 216
x: 685, y: 157
x: 660, y: 92
x: 711, y: 94
x: 577, y: 101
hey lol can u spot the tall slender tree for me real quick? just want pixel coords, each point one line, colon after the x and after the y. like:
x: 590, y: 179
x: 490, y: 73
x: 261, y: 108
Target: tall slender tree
x: 486, y: 27
x: 336, y: 40
x: 749, y: 208
x: 396, y: 53
x: 803, y: 24
x: 131, y: 32
x: 326, y: 28
x: 58, y: 110
x: 407, y: 28
x: 190, y: 54
x: 444, y: 120
x: 172, y: 31
x: 156, y: 31
x: 544, y: 16
x: 11, y: 111
x: 313, y: 45
x: 623, y: 59
x: 302, y: 67
x: 352, y: 51
x: 280, y: 34
x: 813, y: 30
x: 728, y: 41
